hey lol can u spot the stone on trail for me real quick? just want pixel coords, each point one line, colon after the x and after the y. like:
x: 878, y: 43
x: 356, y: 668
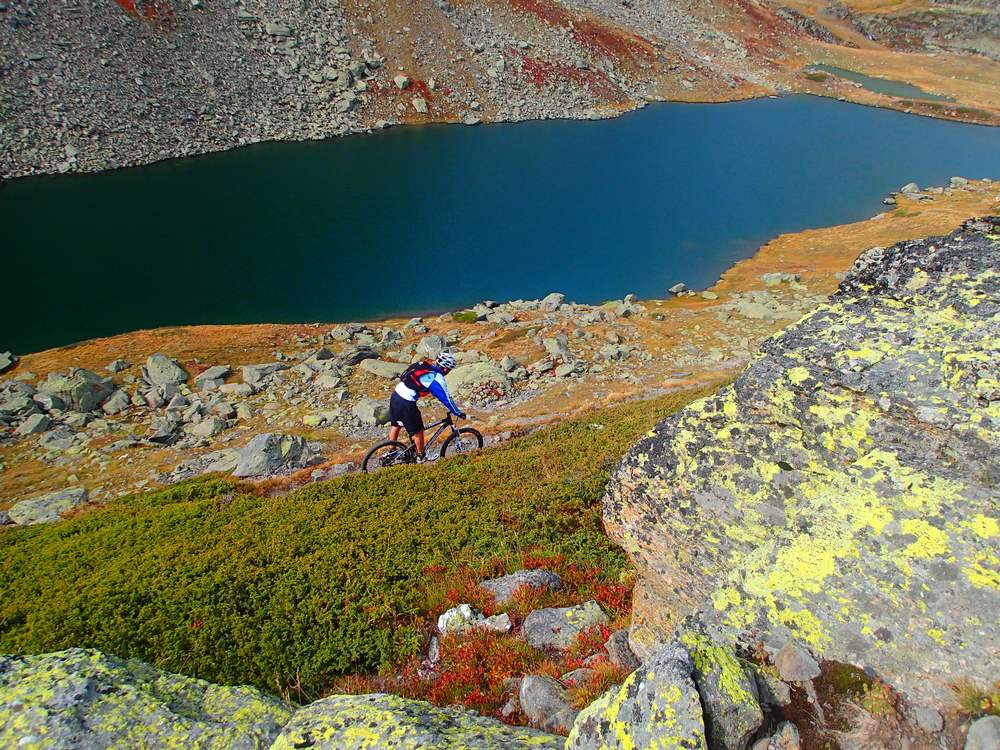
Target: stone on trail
x: 479, y: 382
x: 504, y: 587
x: 78, y: 389
x: 851, y: 463
x: 387, y: 370
x: 162, y: 370
x: 47, y: 508
x: 558, y: 627
x: 373, y: 722
x: 371, y: 412
x: 81, y: 698
x: 656, y: 706
x: 270, y: 453
x: 354, y: 355
x: 546, y: 703
x: 430, y: 346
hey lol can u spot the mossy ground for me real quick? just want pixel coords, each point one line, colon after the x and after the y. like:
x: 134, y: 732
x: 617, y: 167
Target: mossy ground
x: 287, y: 593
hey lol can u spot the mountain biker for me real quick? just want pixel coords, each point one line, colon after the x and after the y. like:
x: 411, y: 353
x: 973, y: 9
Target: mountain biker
x: 420, y: 379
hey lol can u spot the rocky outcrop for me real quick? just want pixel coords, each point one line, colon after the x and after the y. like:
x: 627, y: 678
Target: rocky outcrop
x: 270, y: 453
x: 371, y: 722
x: 843, y: 491
x: 83, y: 698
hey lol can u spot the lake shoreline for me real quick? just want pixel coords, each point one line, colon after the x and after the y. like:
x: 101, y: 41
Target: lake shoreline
x: 663, y: 344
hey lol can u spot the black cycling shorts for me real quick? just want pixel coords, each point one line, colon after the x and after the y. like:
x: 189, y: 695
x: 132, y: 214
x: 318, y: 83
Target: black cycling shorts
x: 405, y: 414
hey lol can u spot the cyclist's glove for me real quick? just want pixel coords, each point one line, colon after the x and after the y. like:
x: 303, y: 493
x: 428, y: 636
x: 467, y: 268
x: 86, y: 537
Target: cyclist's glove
x: 462, y: 415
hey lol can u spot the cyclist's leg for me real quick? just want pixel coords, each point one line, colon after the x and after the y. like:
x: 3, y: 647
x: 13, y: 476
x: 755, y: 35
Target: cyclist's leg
x: 394, y: 432
x: 419, y: 441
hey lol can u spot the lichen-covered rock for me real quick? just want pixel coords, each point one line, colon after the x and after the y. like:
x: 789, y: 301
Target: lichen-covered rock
x: 558, y: 627
x: 728, y: 691
x: 388, y: 722
x: 479, y: 382
x: 843, y: 491
x: 84, y: 699
x: 546, y: 703
x: 656, y: 707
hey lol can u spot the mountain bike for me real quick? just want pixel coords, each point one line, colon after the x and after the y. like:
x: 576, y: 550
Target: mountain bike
x: 396, y: 453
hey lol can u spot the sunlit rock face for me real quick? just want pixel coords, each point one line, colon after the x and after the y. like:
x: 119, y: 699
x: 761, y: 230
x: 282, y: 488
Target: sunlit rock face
x: 844, y: 490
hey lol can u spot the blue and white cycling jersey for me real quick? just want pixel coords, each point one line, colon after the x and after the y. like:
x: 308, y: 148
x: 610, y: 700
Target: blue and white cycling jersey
x: 434, y: 382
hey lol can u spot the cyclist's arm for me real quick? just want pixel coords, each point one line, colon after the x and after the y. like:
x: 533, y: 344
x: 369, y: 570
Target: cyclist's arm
x: 439, y: 389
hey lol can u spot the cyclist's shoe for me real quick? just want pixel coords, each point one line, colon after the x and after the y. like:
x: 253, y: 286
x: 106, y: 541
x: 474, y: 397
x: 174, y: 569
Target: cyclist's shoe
x: 421, y: 458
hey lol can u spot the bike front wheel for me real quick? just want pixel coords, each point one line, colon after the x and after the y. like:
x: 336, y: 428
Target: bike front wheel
x: 466, y: 441
x: 384, y: 455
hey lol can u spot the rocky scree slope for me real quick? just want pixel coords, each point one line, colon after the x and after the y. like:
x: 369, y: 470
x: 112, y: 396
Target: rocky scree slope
x: 844, y: 490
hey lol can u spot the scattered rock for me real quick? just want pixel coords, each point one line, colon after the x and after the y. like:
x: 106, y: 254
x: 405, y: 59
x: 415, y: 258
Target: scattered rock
x: 270, y: 453
x: 161, y: 370
x: 657, y: 706
x: 545, y: 702
x: 118, y: 402
x: 504, y: 587
x: 479, y: 383
x: 551, y: 302
x: 7, y: 361
x: 47, y: 508
x: 558, y: 627
x: 354, y: 355
x: 795, y: 663
x: 387, y: 370
x: 402, y: 82
x: 619, y: 651
x: 80, y: 390
x: 33, y: 425
x: 678, y: 288
x: 212, y: 374
x: 465, y: 617
x: 371, y: 412
x: 785, y: 738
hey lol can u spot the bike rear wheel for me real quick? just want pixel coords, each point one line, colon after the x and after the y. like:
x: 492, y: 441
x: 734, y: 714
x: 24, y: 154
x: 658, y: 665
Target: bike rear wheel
x: 466, y: 441
x: 384, y: 455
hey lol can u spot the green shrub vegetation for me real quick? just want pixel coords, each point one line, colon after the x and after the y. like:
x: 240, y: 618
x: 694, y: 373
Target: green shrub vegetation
x: 209, y: 580
x: 464, y: 316
x: 817, y: 76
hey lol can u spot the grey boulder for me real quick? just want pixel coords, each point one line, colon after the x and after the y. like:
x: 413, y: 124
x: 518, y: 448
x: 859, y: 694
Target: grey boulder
x: 558, y: 627
x: 729, y: 697
x: 371, y: 412
x: 620, y: 652
x: 545, y: 702
x: 272, y: 452
x: 33, y: 425
x: 504, y: 587
x: 162, y: 370
x: 387, y: 370
x: 47, y: 508
x: 354, y: 355
x: 78, y: 389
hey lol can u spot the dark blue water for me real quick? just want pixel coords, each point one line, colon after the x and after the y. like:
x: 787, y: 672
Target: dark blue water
x: 433, y: 218
x: 899, y: 89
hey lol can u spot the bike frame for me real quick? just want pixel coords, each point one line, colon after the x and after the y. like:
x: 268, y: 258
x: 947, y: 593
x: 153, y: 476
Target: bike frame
x: 442, y: 424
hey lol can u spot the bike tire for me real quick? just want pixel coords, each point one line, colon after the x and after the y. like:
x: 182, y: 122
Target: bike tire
x: 473, y: 441
x: 372, y: 462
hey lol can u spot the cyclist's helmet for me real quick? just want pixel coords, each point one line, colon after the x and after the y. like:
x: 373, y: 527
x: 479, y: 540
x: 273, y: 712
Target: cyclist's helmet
x: 446, y: 361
